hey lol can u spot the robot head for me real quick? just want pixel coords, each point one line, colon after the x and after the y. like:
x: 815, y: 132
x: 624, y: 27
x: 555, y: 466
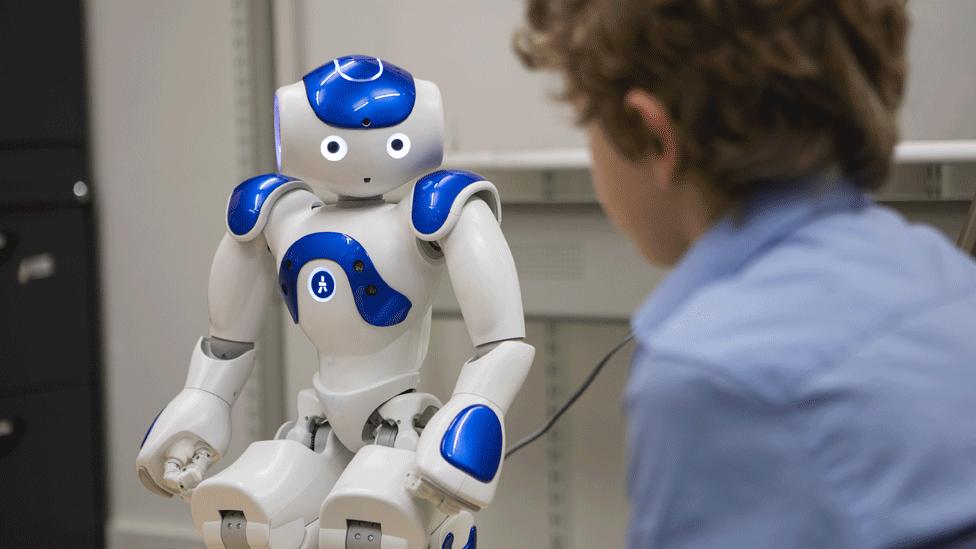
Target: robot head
x: 358, y: 126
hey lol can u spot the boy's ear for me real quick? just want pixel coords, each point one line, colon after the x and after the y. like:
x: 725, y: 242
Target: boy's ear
x: 657, y: 121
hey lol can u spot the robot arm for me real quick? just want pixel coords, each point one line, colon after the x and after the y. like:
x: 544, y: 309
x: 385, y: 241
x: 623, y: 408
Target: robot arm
x: 193, y: 430
x: 460, y: 453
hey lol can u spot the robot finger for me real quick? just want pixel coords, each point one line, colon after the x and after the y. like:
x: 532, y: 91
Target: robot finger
x: 193, y: 472
x: 177, y: 458
x: 171, y: 473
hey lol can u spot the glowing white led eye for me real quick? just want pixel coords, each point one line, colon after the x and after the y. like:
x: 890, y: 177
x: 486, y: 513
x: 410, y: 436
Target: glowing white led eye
x: 398, y: 145
x: 334, y: 148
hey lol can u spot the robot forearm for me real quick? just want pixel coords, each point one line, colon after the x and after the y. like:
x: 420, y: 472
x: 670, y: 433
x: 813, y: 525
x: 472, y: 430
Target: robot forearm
x: 498, y: 375
x: 220, y: 367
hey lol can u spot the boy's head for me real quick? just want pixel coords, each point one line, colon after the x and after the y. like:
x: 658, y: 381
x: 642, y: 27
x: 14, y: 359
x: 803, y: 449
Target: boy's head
x: 695, y: 104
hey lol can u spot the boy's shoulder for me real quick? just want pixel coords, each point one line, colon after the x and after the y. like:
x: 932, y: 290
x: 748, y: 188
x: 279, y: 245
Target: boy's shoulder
x: 816, y: 297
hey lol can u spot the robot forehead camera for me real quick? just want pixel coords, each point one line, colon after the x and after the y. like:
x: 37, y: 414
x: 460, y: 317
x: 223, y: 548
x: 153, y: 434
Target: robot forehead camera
x: 358, y: 126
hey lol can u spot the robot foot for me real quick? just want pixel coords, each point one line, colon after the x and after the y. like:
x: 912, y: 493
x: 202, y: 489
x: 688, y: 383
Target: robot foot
x: 270, y: 497
x: 371, y: 508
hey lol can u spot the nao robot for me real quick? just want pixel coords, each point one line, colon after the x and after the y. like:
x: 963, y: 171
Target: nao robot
x: 368, y: 462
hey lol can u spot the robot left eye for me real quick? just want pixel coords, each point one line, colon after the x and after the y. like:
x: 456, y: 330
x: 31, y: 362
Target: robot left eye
x: 398, y: 145
x: 334, y: 148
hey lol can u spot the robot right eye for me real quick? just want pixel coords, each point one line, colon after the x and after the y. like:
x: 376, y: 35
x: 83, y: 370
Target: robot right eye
x: 334, y: 148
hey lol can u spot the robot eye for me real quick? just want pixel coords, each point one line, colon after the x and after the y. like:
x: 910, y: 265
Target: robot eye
x: 398, y: 145
x: 334, y: 148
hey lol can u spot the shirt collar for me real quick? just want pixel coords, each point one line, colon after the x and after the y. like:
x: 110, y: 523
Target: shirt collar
x: 735, y: 241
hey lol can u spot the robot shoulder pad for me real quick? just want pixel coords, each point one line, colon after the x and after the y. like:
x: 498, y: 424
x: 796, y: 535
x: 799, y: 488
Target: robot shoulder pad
x: 439, y: 197
x: 252, y: 200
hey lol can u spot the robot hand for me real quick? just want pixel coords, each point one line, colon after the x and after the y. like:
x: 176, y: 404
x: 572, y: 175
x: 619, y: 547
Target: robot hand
x: 190, y: 434
x: 193, y: 431
x: 459, y: 455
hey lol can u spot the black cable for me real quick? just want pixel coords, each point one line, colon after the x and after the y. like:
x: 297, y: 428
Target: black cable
x: 572, y: 399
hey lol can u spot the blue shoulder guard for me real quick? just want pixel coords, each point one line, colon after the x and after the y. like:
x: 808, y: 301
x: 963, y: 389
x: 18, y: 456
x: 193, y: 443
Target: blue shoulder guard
x: 438, y: 198
x: 251, y: 201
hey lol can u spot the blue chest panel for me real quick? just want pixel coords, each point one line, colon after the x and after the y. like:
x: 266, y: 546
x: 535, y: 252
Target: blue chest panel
x: 244, y: 207
x: 357, y: 91
x: 433, y: 196
x: 473, y: 442
x: 377, y: 302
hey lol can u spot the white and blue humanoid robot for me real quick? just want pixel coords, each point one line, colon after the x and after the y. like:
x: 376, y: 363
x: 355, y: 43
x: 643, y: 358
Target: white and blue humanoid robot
x: 368, y: 462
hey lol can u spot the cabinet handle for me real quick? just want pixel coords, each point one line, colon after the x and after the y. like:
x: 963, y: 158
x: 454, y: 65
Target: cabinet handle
x: 8, y: 242
x: 11, y: 431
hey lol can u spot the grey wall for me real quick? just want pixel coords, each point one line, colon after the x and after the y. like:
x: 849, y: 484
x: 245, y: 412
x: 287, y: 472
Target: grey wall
x: 939, y: 102
x: 171, y: 139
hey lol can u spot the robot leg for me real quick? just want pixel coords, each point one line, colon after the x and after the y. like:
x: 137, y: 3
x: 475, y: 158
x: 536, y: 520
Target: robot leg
x: 270, y: 497
x: 370, y: 506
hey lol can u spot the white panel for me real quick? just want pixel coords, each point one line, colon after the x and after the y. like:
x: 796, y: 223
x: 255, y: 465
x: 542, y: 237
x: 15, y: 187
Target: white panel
x: 942, y: 82
x: 490, y: 100
x: 571, y: 263
x: 496, y: 106
x: 594, y: 431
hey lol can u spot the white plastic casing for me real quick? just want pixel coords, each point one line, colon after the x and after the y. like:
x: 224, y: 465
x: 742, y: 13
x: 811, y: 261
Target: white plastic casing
x: 200, y: 412
x: 302, y: 136
x: 373, y: 489
x: 498, y: 375
x: 492, y: 380
x: 360, y: 365
x: 242, y: 279
x: 483, y: 274
x: 223, y: 378
x: 278, y: 484
x: 193, y: 414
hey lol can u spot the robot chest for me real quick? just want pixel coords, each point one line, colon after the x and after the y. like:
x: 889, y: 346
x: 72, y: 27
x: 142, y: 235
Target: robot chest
x: 327, y: 264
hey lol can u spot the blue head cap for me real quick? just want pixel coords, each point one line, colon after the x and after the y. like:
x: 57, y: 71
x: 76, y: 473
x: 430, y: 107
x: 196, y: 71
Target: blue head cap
x: 358, y: 91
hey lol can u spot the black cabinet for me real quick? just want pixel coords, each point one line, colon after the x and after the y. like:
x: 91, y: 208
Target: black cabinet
x: 46, y: 292
x: 49, y: 463
x: 51, y: 481
x: 42, y: 99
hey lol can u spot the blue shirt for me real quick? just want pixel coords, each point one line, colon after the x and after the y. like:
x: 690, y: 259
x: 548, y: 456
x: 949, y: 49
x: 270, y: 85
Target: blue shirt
x: 806, y: 378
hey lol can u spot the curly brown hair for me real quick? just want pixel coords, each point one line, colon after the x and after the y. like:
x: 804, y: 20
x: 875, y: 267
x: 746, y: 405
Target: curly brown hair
x: 759, y: 90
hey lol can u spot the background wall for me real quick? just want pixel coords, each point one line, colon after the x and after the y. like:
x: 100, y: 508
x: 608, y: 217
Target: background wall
x: 174, y: 130
x: 181, y: 106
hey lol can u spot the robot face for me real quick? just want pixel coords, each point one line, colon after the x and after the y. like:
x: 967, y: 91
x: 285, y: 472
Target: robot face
x: 358, y: 126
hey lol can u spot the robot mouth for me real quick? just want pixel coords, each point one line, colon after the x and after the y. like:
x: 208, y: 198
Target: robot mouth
x: 367, y: 179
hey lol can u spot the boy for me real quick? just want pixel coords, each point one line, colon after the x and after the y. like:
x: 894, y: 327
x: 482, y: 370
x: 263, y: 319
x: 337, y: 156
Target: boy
x: 806, y: 375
